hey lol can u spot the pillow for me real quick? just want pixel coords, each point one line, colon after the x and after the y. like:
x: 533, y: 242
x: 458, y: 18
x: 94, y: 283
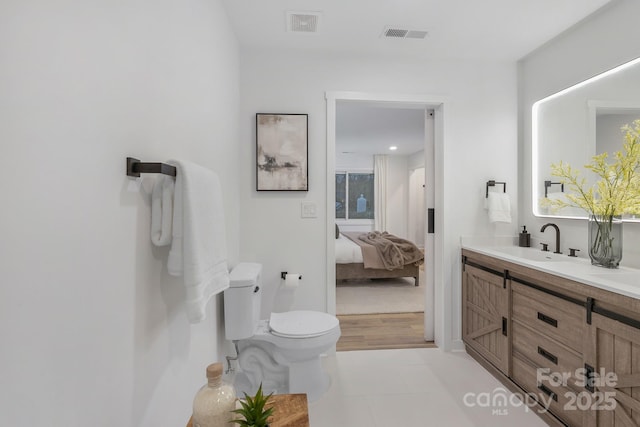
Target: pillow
x: 337, y: 232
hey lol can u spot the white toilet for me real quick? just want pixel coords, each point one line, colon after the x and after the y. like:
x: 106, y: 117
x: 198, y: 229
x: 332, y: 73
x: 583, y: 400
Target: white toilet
x: 282, y: 353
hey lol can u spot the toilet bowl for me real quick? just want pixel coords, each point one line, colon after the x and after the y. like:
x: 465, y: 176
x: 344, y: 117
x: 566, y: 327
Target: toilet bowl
x: 283, y: 352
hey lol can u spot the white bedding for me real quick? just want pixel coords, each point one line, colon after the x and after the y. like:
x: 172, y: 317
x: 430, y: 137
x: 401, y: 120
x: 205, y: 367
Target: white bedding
x: 347, y: 252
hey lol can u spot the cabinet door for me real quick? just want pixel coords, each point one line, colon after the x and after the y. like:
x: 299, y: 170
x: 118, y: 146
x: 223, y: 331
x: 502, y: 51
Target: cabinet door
x: 614, y: 350
x: 485, y: 315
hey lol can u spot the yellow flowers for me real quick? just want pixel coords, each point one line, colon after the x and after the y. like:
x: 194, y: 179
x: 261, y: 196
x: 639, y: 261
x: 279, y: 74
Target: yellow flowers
x: 617, y: 192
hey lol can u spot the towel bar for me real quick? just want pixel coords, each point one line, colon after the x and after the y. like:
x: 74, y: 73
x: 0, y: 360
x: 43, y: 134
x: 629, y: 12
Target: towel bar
x: 493, y: 183
x: 135, y: 167
x: 548, y: 184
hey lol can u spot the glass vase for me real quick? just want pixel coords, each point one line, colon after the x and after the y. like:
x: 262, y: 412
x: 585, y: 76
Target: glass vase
x: 605, y: 240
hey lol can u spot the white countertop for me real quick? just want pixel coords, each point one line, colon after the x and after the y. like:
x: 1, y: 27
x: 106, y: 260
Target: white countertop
x: 622, y: 280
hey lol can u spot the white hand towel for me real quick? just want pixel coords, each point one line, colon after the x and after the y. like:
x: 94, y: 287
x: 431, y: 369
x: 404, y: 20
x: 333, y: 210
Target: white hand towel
x: 199, y: 249
x: 162, y: 210
x: 499, y: 207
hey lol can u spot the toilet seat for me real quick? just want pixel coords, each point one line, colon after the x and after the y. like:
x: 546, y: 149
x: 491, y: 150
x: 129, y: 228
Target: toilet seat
x: 301, y: 324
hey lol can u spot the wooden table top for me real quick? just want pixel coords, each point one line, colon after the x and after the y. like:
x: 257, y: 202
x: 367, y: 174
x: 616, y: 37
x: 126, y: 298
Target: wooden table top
x: 289, y: 410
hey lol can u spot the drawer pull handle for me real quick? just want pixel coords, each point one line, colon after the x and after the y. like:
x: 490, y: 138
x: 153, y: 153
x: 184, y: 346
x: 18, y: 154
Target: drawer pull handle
x: 546, y: 319
x: 549, y: 356
x: 548, y: 392
x: 590, y: 383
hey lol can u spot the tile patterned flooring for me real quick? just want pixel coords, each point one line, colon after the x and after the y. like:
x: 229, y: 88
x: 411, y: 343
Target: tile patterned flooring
x: 412, y: 387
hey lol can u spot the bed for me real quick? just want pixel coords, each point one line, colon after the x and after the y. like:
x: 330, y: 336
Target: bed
x: 350, y: 262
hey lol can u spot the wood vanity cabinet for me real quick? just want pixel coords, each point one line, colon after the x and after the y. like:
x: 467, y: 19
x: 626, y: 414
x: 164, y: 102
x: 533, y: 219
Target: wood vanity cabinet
x: 486, y: 314
x: 548, y: 330
x: 564, y: 342
x: 614, y: 349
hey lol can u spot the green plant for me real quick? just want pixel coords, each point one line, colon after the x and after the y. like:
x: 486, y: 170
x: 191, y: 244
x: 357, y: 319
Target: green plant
x: 253, y: 410
x: 617, y: 191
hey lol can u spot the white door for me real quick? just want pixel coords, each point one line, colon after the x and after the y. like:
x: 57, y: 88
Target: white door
x: 417, y: 210
x: 429, y: 245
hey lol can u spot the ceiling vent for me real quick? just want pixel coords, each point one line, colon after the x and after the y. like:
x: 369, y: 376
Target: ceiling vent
x: 399, y: 33
x: 303, y: 22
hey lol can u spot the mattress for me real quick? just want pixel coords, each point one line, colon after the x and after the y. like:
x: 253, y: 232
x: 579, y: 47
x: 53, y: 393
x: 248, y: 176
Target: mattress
x: 347, y: 252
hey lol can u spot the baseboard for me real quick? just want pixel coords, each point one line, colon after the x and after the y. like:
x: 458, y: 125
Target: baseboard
x: 457, y: 345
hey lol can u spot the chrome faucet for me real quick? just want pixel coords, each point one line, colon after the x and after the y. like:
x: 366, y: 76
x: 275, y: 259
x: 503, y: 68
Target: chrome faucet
x: 544, y: 227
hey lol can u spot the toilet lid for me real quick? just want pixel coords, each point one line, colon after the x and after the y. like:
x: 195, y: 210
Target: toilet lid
x: 301, y: 324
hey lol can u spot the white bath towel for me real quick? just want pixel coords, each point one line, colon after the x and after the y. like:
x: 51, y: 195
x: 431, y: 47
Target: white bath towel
x: 499, y: 207
x: 162, y: 210
x: 199, y: 248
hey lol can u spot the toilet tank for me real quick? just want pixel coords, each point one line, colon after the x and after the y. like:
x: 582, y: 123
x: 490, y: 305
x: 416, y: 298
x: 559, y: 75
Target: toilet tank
x: 242, y: 301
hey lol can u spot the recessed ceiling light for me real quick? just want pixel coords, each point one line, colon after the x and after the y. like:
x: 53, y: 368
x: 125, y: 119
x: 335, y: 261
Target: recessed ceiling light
x: 393, y: 147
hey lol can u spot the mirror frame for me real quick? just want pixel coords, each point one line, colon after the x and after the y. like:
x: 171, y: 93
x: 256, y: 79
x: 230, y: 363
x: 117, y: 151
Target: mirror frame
x: 592, y: 105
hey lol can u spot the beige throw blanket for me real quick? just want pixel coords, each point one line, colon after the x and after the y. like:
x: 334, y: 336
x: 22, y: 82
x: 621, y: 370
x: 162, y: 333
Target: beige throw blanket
x: 386, y: 251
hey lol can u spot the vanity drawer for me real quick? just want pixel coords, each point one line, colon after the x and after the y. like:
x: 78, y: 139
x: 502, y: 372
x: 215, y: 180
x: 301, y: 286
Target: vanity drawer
x: 549, y: 315
x: 556, y: 399
x: 546, y: 353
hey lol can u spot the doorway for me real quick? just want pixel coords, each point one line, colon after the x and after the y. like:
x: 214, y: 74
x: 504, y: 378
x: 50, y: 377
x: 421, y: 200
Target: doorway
x: 420, y: 175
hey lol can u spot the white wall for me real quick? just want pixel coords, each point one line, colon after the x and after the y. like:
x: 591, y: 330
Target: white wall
x: 397, y: 195
x: 599, y: 43
x: 92, y: 330
x: 480, y: 144
x: 609, y: 136
x: 354, y: 161
x: 416, y: 160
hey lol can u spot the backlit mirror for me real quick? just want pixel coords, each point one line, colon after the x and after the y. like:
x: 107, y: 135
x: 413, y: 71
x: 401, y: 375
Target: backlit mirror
x: 578, y: 122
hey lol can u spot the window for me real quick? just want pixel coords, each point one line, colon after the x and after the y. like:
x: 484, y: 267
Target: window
x: 354, y: 195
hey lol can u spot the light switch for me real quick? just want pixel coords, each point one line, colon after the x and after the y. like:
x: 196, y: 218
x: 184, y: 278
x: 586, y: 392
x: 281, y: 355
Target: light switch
x: 309, y: 210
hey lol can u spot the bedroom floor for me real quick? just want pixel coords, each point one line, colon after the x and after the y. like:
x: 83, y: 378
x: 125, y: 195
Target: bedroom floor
x: 381, y: 314
x: 382, y: 331
x: 365, y: 296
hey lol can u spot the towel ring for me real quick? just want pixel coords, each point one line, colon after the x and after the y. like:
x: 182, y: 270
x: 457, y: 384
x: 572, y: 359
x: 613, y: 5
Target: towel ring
x: 135, y: 167
x: 493, y: 183
x: 548, y: 184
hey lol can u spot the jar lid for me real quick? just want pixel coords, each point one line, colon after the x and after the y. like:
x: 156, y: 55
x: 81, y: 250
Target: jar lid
x: 214, y: 370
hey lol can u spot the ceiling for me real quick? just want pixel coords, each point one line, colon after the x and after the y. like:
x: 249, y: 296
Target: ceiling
x: 457, y: 29
x: 498, y: 30
x: 368, y: 129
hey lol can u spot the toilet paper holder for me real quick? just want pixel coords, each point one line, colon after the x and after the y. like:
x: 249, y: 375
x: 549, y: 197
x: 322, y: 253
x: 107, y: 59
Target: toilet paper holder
x: 283, y: 275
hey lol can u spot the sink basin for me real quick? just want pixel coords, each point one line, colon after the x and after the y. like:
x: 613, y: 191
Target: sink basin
x: 530, y: 254
x: 620, y: 276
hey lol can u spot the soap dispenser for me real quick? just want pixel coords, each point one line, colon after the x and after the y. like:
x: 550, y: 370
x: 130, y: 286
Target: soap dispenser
x: 525, y: 238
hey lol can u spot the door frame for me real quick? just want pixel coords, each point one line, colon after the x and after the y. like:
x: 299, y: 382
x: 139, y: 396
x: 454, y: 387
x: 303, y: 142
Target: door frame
x: 437, y: 323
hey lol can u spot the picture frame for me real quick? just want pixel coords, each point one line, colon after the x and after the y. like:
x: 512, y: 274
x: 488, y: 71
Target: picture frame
x: 282, y: 152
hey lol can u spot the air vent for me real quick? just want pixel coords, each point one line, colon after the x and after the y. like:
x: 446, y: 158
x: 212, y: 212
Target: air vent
x: 399, y: 33
x: 416, y: 34
x: 303, y: 22
x: 394, y: 32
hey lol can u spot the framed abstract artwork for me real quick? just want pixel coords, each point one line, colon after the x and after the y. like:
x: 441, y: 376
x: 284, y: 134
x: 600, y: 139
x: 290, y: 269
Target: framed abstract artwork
x: 282, y: 152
